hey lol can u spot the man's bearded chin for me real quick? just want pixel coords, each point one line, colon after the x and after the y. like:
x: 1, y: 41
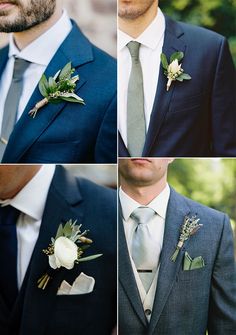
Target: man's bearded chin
x: 22, y: 18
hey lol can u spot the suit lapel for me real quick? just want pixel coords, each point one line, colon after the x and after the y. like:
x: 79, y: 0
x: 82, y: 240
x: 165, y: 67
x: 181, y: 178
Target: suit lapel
x: 172, y: 43
x: 63, y: 195
x: 3, y: 58
x: 76, y: 49
x: 176, y: 211
x: 123, y: 150
x: 126, y: 276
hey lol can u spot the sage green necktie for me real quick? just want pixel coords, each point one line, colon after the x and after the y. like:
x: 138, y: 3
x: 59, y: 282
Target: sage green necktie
x: 136, y: 130
x: 143, y: 250
x: 12, y: 102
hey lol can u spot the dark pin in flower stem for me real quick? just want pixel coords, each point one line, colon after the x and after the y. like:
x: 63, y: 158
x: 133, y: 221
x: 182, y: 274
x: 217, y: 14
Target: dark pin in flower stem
x: 56, y: 89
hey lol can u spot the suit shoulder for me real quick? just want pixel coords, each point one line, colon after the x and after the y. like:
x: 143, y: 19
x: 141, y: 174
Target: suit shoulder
x: 99, y: 192
x: 200, y: 33
x: 104, y: 58
x: 212, y: 214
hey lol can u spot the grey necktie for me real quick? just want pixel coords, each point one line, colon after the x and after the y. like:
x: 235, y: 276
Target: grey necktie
x: 12, y: 102
x: 136, y: 130
x: 143, y: 252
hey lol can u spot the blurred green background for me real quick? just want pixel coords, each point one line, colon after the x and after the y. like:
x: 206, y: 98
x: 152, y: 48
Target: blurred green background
x: 211, y: 182
x: 217, y: 15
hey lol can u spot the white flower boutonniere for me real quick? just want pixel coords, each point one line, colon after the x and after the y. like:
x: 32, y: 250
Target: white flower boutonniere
x: 174, y: 71
x: 56, y: 89
x: 66, y: 250
x: 189, y: 228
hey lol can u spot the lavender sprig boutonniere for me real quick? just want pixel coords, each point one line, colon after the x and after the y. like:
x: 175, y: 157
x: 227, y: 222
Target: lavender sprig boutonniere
x: 189, y: 228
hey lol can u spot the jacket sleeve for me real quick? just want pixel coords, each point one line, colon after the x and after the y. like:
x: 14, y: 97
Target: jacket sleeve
x: 224, y: 104
x: 106, y: 144
x: 222, y: 307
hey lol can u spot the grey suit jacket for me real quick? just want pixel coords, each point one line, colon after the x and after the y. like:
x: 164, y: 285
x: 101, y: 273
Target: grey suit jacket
x: 186, y: 302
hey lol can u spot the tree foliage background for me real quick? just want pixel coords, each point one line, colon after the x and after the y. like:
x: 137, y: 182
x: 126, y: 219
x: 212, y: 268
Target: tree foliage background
x: 211, y: 182
x: 217, y: 15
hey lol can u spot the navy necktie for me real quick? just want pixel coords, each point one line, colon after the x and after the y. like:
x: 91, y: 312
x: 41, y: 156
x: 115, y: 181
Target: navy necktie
x: 8, y: 254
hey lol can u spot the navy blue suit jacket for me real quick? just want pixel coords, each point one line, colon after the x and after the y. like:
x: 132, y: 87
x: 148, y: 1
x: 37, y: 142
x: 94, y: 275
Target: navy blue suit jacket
x: 70, y: 132
x: 196, y: 117
x: 186, y: 302
x: 41, y: 312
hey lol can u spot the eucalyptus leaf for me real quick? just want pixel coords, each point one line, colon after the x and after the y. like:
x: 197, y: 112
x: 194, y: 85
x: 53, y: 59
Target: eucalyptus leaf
x: 89, y: 258
x: 56, y: 75
x: 73, y: 100
x: 65, y: 72
x: 179, y: 55
x: 164, y: 61
x: 52, y: 84
x: 72, y: 95
x: 186, y: 76
x: 180, y: 78
x: 67, y: 230
x: 43, y: 86
x: 183, y: 76
x: 74, y: 79
x: 59, y: 231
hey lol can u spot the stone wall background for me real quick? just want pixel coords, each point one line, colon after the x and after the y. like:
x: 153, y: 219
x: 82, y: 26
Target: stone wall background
x: 96, y: 18
x: 102, y: 174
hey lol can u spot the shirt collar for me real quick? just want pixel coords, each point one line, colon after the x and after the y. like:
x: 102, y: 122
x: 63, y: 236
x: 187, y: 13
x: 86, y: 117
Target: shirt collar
x: 32, y: 198
x: 151, y: 35
x: 158, y: 204
x: 36, y: 52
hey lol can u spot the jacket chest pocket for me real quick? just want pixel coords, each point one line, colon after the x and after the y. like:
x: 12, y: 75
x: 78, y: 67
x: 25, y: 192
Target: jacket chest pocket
x: 188, y: 103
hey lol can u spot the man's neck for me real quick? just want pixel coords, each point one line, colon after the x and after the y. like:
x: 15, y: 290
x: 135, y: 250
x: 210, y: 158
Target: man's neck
x: 136, y: 27
x: 144, y: 194
x: 24, y: 38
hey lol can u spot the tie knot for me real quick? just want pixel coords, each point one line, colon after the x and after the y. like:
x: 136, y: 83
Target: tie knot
x: 142, y: 215
x: 20, y: 67
x: 134, y: 49
x: 8, y: 215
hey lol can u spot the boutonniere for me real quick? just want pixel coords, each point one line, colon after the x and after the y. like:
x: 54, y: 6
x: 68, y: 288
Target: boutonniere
x: 58, y: 88
x: 174, y: 71
x: 189, y: 228
x: 66, y: 250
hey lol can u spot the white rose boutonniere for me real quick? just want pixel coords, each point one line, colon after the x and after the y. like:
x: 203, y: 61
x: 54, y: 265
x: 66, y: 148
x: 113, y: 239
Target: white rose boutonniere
x: 65, y: 253
x: 66, y: 250
x: 174, y: 71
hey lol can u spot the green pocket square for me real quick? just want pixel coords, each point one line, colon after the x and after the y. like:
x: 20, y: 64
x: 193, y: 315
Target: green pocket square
x: 192, y: 264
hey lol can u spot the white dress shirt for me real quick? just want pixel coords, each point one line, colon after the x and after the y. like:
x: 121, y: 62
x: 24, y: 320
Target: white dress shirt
x: 156, y: 226
x: 151, y: 40
x: 39, y: 53
x: 30, y: 201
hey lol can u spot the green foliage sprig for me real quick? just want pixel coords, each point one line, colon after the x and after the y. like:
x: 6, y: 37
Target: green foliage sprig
x: 59, y: 88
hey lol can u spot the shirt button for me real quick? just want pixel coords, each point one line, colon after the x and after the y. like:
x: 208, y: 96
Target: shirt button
x: 148, y: 312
